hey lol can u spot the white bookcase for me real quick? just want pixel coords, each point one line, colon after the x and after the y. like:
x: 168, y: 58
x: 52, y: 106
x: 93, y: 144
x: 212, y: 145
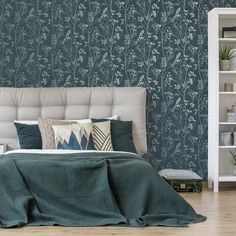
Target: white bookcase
x: 220, y: 169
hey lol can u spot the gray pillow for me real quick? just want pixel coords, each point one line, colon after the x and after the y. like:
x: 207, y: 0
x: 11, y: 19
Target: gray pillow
x: 46, y: 130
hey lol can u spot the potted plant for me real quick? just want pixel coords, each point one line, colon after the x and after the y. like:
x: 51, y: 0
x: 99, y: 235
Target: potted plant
x: 225, y: 55
x: 233, y: 160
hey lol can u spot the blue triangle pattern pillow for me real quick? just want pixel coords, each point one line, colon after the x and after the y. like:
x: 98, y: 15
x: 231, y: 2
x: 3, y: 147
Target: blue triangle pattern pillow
x: 73, y: 137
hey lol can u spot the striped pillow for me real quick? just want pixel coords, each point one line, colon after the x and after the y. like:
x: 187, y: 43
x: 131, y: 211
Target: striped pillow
x: 102, y: 136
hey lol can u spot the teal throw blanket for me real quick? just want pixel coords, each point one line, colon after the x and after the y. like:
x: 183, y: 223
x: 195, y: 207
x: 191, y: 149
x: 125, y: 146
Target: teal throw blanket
x: 88, y: 189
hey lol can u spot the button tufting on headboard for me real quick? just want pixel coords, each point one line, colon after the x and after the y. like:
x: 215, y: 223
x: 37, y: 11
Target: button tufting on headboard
x: 72, y: 103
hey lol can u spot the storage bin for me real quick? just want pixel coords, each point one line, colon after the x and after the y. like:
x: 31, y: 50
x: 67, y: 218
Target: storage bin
x: 226, y: 138
x: 234, y: 138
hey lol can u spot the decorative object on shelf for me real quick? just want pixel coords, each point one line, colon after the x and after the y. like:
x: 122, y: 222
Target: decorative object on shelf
x: 228, y: 87
x: 225, y: 55
x: 229, y: 32
x: 233, y: 60
x: 3, y: 148
x: 226, y: 138
x: 234, y: 137
x: 231, y: 117
x: 230, y: 114
x: 233, y: 160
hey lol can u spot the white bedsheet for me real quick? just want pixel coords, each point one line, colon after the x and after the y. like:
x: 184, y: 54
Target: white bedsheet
x: 58, y: 151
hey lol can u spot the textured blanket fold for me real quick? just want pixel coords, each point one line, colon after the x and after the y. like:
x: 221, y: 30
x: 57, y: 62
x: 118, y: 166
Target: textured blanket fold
x: 87, y: 189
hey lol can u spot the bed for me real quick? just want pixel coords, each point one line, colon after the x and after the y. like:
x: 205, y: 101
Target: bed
x: 82, y: 188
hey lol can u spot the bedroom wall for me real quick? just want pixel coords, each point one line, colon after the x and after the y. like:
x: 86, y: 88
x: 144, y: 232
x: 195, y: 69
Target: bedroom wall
x: 161, y: 45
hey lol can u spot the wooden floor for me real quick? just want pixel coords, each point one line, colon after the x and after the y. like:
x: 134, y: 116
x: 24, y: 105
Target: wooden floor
x: 220, y: 208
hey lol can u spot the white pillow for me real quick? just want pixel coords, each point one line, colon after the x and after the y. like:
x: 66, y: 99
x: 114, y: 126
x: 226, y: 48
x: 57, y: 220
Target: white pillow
x: 82, y: 121
x: 115, y: 117
x: 26, y: 122
x: 35, y: 122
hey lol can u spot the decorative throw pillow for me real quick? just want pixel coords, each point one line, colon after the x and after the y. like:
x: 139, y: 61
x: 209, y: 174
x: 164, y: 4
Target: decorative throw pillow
x: 84, y: 121
x: 45, y: 127
x: 102, y: 136
x: 27, y: 122
x: 29, y: 136
x: 121, y: 135
x: 73, y: 137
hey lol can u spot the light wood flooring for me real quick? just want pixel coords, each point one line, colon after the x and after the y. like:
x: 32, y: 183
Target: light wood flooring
x: 220, y: 208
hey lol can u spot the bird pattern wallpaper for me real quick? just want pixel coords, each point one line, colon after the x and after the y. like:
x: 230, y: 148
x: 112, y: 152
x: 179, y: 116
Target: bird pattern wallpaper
x: 158, y: 44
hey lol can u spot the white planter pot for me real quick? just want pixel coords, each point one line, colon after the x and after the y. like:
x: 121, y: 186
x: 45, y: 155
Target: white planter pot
x: 224, y: 65
x: 233, y: 60
x: 234, y: 169
x: 226, y: 139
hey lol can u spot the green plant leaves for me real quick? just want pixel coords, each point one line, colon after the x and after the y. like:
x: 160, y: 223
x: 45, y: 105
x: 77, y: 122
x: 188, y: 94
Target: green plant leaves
x: 225, y: 53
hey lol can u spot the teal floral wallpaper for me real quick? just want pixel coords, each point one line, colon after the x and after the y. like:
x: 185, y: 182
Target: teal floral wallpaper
x: 161, y: 45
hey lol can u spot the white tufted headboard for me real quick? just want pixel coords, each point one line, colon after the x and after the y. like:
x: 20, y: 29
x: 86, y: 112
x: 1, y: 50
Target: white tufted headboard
x: 70, y: 104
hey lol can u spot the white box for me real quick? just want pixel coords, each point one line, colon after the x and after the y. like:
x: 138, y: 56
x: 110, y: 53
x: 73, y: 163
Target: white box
x: 3, y: 148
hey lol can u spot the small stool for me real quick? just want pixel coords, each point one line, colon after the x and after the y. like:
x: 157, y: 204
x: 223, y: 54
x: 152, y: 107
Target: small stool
x: 182, y: 180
